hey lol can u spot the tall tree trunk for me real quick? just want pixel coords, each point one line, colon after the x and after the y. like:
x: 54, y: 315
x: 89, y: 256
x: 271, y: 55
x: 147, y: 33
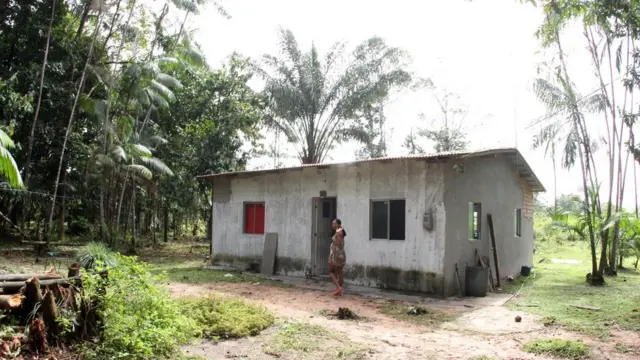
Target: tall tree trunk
x: 133, y: 219
x: 61, y: 213
x: 165, y: 224
x: 27, y: 165
x: 585, y: 157
x: 555, y: 183
x: 84, y: 17
x: 120, y: 201
x: 107, y: 121
x: 69, y: 125
x: 181, y: 29
x: 635, y: 187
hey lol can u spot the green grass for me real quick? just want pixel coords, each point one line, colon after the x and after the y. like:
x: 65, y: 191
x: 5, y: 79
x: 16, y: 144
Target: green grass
x: 192, y: 272
x: 552, y: 288
x: 558, y: 348
x: 299, y: 337
x: 403, y: 312
x: 221, y: 318
x: 183, y: 266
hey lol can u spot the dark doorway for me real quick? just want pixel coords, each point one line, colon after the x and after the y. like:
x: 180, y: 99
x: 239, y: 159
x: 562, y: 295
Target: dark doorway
x: 324, y: 211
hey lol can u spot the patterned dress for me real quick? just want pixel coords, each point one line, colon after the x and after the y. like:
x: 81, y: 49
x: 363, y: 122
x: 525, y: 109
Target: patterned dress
x: 337, y: 256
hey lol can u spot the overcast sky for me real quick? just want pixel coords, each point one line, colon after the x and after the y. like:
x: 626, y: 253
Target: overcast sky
x: 483, y: 50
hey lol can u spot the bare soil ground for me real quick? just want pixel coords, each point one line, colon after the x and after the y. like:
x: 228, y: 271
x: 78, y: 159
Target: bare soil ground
x: 478, y: 333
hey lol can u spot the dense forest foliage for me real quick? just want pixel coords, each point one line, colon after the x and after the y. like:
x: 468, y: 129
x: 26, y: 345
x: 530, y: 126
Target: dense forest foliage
x: 109, y: 111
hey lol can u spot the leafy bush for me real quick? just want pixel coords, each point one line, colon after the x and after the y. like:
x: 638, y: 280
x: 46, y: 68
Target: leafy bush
x: 220, y: 318
x: 94, y: 253
x: 140, y: 318
x: 558, y: 348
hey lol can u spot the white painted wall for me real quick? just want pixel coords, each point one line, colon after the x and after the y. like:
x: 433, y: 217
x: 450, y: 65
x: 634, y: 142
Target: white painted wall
x: 288, y: 211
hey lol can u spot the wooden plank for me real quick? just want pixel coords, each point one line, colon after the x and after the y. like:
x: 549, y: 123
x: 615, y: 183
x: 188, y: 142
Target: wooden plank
x: 495, y: 251
x: 484, y: 265
x: 269, y: 253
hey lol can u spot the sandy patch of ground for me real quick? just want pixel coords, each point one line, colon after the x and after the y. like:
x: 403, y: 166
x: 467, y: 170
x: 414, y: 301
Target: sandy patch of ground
x: 489, y: 331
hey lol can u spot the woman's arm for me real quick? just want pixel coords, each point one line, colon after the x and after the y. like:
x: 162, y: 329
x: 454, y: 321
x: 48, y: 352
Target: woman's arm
x: 340, y: 239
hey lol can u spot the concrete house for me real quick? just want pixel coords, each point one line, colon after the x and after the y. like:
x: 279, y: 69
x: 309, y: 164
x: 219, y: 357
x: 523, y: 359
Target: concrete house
x: 409, y: 220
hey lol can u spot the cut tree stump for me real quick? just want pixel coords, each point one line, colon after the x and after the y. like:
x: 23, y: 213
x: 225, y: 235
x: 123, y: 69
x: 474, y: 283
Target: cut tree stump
x: 10, y: 302
x: 74, y: 272
x: 32, y: 296
x: 49, y: 314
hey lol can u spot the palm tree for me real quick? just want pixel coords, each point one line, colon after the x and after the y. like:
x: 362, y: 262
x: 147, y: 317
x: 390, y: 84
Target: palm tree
x: 127, y: 165
x: 565, y: 125
x: 314, y: 99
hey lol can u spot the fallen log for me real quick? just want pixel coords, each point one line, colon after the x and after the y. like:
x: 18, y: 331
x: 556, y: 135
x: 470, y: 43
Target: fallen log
x: 25, y: 277
x: 41, y: 243
x: 10, y: 286
x: 10, y: 302
x: 16, y: 285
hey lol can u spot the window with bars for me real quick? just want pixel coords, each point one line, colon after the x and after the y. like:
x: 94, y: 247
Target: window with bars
x: 518, y: 222
x: 254, y: 218
x: 475, y: 221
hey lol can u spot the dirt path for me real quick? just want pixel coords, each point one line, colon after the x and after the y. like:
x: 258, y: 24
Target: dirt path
x: 379, y: 337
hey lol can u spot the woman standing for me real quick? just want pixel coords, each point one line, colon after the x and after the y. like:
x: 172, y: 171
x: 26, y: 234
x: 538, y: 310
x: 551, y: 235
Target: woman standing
x: 337, y: 256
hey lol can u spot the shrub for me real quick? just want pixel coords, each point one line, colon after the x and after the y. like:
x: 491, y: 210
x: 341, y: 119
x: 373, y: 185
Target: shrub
x: 140, y: 318
x: 220, y: 318
x: 96, y: 253
x: 559, y: 348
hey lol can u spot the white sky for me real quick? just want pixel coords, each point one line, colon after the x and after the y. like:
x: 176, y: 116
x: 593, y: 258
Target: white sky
x: 483, y: 50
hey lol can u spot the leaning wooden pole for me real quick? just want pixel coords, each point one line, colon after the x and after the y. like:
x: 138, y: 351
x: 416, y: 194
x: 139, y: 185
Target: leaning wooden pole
x: 495, y: 251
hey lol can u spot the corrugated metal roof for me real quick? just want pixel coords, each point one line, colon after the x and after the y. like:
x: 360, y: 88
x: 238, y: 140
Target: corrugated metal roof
x: 529, y: 176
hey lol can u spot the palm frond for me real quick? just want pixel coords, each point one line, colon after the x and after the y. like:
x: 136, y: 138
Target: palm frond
x: 5, y: 141
x: 551, y: 96
x: 157, y: 99
x: 119, y: 153
x: 168, y: 81
x: 140, y: 150
x: 162, y: 90
x: 596, y: 103
x: 104, y: 161
x: 9, y: 168
x: 158, y: 140
x: 157, y: 165
x: 140, y: 171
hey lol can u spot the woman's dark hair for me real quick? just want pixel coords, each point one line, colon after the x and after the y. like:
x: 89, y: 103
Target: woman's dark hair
x: 333, y: 231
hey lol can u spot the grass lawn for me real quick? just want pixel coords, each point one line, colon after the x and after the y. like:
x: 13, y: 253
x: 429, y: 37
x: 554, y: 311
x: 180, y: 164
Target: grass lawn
x: 304, y: 340
x: 552, y: 288
x: 184, y: 264
x: 567, y: 349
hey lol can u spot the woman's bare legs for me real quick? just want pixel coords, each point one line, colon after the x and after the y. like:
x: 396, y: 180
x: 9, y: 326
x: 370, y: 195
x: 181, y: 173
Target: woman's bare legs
x: 335, y: 280
x: 340, y: 276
